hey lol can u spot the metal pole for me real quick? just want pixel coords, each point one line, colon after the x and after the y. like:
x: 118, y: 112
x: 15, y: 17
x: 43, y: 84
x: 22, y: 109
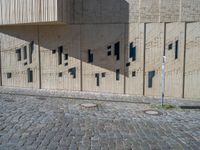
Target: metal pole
x: 163, y: 80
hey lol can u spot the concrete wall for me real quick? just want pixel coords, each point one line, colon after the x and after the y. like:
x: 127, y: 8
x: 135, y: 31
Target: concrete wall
x: 33, y: 11
x: 13, y: 38
x: 192, y: 68
x: 94, y: 27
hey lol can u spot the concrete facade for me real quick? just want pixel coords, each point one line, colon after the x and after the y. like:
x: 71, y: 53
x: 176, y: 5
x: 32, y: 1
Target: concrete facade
x: 108, y: 46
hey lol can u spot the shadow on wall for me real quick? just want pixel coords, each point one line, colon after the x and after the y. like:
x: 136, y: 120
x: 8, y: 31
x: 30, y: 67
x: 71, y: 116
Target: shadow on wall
x: 98, y: 34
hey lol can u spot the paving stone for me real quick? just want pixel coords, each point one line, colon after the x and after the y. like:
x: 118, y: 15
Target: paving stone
x: 61, y: 123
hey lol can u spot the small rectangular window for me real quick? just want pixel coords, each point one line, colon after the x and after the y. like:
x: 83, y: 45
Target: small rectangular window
x: 103, y: 75
x: 134, y: 74
x: 132, y: 53
x: 60, y: 74
x: 66, y: 64
x: 151, y: 74
x: 118, y: 74
x: 117, y: 50
x: 31, y: 49
x: 176, y: 49
x: 60, y: 51
x: 25, y: 63
x: 30, y: 75
x: 66, y: 56
x: 109, y: 53
x: 72, y: 72
x: 53, y: 51
x: 97, y: 76
x: 170, y: 46
x: 18, y: 52
x: 128, y: 64
x: 25, y: 52
x: 9, y: 75
x: 90, y: 56
x: 109, y: 47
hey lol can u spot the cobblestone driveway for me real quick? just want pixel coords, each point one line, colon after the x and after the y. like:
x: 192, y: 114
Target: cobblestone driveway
x: 35, y: 122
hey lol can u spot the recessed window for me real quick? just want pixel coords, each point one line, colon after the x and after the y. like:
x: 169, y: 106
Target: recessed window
x: 109, y: 47
x: 25, y: 63
x: 151, y: 74
x: 103, y: 75
x: 97, y: 76
x: 170, y: 46
x: 72, y: 72
x: 60, y: 74
x: 25, y: 52
x: 30, y: 75
x: 53, y: 51
x: 128, y: 64
x: 90, y: 56
x: 134, y: 74
x: 18, y: 52
x: 66, y: 64
x: 109, y: 53
x: 117, y: 50
x: 132, y: 53
x: 66, y: 56
x: 9, y: 75
x: 176, y: 49
x: 118, y: 74
x: 60, y: 51
x: 31, y: 49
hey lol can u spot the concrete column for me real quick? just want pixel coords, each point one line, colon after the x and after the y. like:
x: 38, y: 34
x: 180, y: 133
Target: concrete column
x: 0, y: 66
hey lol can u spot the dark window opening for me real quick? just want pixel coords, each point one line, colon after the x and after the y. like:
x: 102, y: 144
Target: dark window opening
x: 60, y: 51
x: 109, y: 47
x: 25, y: 52
x: 132, y: 53
x: 9, y: 75
x: 31, y: 49
x: 118, y: 74
x: 151, y: 74
x: 98, y: 79
x: 18, y: 51
x: 176, y: 49
x: 90, y: 56
x: 103, y: 75
x: 30, y: 75
x: 128, y: 64
x: 170, y: 46
x: 134, y: 74
x: 117, y: 50
x: 66, y: 56
x: 66, y: 64
x: 53, y: 51
x: 109, y: 53
x: 72, y: 72
x: 25, y: 63
x: 60, y: 74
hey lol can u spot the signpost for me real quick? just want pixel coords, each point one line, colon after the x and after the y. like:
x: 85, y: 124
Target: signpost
x: 163, y: 80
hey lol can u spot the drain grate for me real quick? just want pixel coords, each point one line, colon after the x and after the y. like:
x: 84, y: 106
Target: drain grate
x: 9, y: 100
x: 152, y: 112
x: 41, y: 98
x: 89, y: 105
x: 190, y: 107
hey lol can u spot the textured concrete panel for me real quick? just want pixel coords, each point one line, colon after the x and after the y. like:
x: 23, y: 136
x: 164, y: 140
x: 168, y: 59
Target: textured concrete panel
x: 192, y: 72
x: 190, y: 10
x: 134, y: 72
x: 154, y: 53
x: 169, y: 10
x: 174, y: 67
x: 13, y: 38
x: 69, y: 38
x: 149, y: 10
x: 98, y: 38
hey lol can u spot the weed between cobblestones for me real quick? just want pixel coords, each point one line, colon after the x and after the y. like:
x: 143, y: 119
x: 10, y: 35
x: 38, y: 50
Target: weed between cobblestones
x: 165, y: 106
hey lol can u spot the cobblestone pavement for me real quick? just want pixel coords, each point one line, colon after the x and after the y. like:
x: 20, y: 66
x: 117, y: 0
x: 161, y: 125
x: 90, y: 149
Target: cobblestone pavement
x: 39, y: 122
